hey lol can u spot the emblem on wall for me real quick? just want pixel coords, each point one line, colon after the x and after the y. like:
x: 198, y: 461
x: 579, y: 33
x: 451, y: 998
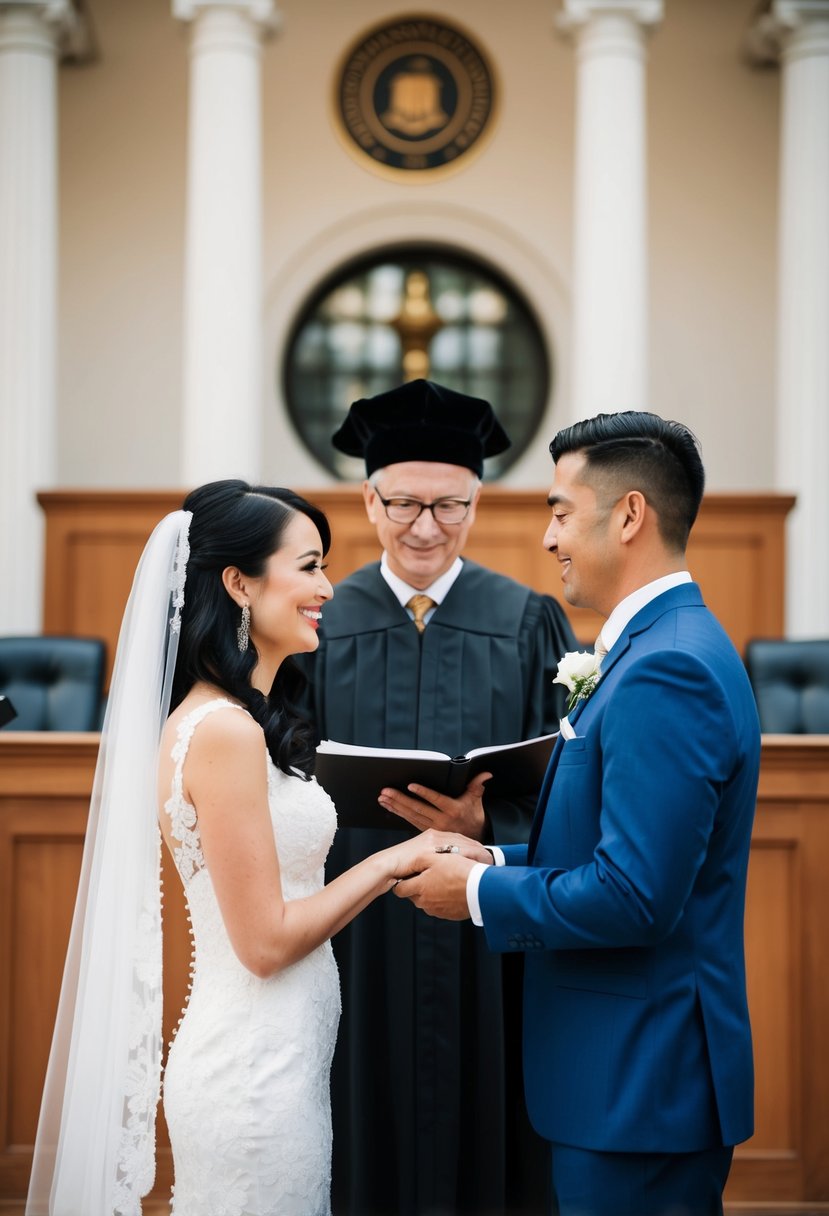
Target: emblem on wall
x: 415, y: 95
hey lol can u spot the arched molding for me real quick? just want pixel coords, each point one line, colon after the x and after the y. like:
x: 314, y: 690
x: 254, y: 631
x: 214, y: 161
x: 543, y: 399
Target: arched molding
x: 463, y: 229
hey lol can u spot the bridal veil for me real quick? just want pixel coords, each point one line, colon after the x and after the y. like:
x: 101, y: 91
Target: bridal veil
x: 95, y: 1147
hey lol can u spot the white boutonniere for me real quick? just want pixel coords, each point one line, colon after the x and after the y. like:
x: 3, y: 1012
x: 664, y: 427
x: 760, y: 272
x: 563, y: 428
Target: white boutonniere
x: 579, y: 672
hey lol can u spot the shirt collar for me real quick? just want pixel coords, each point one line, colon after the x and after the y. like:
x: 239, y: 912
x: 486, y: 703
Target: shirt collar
x: 437, y: 591
x: 633, y: 603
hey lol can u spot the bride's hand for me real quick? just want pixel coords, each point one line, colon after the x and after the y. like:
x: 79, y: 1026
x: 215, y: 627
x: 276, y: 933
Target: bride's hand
x: 410, y: 857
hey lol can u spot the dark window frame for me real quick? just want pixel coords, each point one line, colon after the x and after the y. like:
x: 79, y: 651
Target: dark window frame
x: 314, y: 416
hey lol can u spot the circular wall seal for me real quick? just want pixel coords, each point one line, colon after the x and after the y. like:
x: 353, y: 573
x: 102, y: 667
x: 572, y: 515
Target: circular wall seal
x: 415, y: 95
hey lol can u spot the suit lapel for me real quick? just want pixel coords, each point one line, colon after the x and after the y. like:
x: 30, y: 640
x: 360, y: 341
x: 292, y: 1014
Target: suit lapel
x: 543, y: 797
x: 546, y: 786
x: 685, y: 595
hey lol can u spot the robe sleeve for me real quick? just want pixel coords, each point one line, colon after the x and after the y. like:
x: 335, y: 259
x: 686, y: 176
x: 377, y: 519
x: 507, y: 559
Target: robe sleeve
x: 545, y: 636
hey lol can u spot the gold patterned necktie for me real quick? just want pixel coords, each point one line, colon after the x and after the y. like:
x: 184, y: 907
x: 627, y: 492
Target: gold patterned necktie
x: 599, y: 648
x: 420, y: 605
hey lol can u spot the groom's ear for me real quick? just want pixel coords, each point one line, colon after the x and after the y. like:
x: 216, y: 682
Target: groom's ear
x: 632, y: 506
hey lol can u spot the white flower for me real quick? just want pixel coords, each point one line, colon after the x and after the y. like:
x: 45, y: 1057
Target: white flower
x: 579, y: 672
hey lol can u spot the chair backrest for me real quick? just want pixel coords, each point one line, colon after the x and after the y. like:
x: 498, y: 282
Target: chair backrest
x: 55, y: 683
x: 791, y: 685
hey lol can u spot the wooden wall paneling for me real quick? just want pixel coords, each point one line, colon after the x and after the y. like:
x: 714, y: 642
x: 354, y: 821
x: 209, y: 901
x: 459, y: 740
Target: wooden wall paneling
x: 774, y: 917
x: 44, y: 796
x: 815, y: 956
x: 45, y: 786
x: 787, y: 1160
x: 737, y: 552
x: 93, y: 542
x: 94, y: 539
x: 771, y: 1162
x: 45, y: 866
x: 794, y: 783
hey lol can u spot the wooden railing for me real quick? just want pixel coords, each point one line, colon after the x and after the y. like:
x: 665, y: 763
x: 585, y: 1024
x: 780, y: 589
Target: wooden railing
x: 45, y: 783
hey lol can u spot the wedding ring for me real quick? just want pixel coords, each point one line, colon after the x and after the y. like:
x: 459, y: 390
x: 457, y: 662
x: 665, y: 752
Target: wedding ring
x: 447, y: 848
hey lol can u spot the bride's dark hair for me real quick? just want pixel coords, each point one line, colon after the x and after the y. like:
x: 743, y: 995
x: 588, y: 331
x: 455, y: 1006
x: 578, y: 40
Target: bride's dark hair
x: 236, y: 524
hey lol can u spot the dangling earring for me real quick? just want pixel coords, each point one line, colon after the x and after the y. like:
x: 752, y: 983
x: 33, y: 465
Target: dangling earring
x: 243, y: 632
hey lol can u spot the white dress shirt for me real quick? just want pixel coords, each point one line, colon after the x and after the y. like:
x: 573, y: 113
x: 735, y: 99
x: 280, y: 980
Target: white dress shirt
x: 611, y: 631
x: 438, y: 590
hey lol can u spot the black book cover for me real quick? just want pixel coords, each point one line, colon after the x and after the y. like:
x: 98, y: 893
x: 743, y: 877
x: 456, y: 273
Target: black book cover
x: 354, y: 776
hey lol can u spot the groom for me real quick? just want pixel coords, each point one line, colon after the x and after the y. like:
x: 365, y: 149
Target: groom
x: 628, y: 900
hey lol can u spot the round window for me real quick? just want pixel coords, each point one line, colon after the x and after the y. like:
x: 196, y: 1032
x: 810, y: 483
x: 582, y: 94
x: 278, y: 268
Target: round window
x: 413, y: 312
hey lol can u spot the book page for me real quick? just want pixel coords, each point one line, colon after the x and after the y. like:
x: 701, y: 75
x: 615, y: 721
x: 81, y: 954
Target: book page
x: 332, y: 748
x: 505, y: 747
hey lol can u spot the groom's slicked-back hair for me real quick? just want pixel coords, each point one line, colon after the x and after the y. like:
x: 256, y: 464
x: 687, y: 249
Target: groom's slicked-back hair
x: 635, y: 450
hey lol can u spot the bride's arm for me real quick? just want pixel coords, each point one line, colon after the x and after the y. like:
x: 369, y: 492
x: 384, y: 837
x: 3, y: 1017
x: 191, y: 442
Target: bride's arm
x: 225, y: 779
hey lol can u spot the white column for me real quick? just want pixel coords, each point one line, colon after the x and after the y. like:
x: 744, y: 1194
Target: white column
x: 223, y: 340
x: 803, y: 319
x: 610, y: 317
x: 28, y: 305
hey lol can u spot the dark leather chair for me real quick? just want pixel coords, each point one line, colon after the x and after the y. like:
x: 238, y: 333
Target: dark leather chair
x: 791, y: 685
x: 54, y: 683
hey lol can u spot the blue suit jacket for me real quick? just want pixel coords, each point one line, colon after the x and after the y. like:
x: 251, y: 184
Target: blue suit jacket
x: 629, y: 898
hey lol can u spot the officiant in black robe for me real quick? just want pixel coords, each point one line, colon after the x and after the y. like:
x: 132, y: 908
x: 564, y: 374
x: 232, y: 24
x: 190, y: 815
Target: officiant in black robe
x: 426, y: 1089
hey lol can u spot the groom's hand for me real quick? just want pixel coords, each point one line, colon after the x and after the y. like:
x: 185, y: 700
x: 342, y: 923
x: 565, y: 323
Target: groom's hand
x: 424, y: 808
x: 440, y: 887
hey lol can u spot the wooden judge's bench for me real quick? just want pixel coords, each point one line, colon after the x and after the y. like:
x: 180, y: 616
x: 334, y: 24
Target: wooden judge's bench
x: 93, y: 543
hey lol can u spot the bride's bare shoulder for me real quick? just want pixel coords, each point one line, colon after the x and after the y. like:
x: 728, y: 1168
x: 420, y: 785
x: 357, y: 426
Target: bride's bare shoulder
x: 229, y: 722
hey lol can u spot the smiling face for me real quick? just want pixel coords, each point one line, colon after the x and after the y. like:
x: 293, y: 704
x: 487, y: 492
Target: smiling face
x: 583, y: 537
x: 285, y: 602
x: 421, y: 551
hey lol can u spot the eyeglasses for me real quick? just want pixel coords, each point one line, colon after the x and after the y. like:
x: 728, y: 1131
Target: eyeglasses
x: 407, y: 510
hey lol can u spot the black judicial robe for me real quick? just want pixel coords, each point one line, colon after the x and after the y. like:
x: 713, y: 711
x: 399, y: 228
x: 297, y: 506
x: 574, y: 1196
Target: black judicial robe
x: 426, y: 1088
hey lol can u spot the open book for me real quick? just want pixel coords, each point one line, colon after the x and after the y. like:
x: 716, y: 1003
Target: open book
x: 354, y: 776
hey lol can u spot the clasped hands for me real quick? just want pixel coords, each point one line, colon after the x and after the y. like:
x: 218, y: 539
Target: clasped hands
x: 436, y: 864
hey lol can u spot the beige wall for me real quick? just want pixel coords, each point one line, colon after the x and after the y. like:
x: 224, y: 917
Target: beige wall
x: 122, y: 178
x: 123, y: 129
x: 713, y: 206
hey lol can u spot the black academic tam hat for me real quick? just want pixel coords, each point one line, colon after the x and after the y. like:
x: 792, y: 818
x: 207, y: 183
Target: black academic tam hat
x: 421, y: 420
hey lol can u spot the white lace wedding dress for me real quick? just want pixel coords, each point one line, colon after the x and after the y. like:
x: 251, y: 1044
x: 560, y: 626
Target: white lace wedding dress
x: 246, y: 1087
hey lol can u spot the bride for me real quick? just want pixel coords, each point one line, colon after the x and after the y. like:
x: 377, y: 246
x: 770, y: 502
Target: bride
x: 226, y: 590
